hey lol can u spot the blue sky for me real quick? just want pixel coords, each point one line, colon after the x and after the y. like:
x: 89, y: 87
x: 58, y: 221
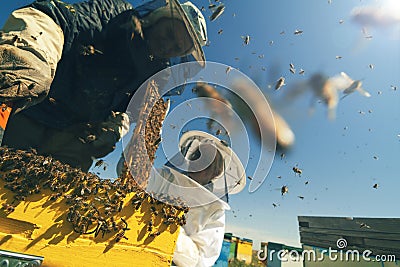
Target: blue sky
x: 341, y: 159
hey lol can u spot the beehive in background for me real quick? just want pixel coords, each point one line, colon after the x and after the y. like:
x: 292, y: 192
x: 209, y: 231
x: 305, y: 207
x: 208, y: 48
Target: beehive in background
x: 244, y: 250
x: 381, y: 236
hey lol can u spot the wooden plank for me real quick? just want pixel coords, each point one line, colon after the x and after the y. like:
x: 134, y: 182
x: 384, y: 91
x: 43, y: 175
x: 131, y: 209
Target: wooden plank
x: 382, y: 234
x: 374, y: 235
x: 383, y: 225
x: 363, y: 242
x: 39, y: 227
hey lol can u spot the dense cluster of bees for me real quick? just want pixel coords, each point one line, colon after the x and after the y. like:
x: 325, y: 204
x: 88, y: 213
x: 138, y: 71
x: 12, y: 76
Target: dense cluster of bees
x: 96, y: 206
x: 141, y: 150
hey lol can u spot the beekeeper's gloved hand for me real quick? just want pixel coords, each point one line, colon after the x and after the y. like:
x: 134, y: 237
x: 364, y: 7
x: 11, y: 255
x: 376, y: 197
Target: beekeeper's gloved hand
x: 31, y: 45
x: 108, y: 133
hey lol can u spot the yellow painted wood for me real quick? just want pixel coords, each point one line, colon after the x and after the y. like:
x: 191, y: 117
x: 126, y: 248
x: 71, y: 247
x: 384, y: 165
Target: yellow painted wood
x: 244, y: 251
x: 39, y: 227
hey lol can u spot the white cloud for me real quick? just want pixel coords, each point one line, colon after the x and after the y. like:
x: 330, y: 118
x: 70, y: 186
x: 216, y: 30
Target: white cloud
x: 374, y: 16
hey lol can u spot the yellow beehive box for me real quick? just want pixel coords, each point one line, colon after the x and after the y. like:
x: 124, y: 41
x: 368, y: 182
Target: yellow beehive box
x: 76, y: 219
x: 72, y: 218
x: 244, y: 250
x: 38, y: 226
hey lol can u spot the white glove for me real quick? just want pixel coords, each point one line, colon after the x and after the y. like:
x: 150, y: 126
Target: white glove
x: 106, y: 134
x: 31, y: 44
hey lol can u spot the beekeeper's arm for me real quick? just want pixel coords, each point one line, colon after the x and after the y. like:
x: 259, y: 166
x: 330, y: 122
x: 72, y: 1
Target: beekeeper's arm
x: 31, y: 45
x: 201, y: 248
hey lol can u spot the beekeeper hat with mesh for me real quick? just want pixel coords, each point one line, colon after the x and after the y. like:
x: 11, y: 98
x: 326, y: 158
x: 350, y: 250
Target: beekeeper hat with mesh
x: 196, y: 156
x: 193, y: 19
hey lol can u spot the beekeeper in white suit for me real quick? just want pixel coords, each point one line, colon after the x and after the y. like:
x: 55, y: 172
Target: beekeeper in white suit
x: 203, y: 174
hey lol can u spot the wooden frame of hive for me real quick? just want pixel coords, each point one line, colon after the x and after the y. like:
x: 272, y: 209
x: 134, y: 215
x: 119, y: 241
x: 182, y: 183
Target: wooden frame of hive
x: 114, y: 224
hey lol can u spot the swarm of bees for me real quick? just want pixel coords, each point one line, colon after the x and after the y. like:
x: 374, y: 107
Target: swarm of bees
x: 95, y: 204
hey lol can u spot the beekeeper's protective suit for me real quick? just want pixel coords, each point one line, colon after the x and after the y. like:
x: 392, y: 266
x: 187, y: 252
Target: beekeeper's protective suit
x: 200, y: 240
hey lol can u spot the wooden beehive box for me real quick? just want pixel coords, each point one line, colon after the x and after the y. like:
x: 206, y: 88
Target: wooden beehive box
x: 379, y: 235
x: 39, y: 226
x: 73, y: 218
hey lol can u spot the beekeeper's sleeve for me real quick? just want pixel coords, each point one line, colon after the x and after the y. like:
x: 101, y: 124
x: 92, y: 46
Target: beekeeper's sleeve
x: 202, y: 248
x: 31, y: 45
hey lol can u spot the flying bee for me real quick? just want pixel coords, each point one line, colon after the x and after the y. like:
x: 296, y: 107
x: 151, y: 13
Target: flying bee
x: 280, y: 83
x: 293, y: 71
x: 375, y: 186
x: 284, y: 190
x: 297, y: 32
x: 220, y: 31
x: 246, y: 39
x: 250, y: 178
x: 297, y: 171
x: 364, y: 225
x: 218, y: 12
x: 301, y: 72
x: 100, y: 163
x: 301, y: 197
